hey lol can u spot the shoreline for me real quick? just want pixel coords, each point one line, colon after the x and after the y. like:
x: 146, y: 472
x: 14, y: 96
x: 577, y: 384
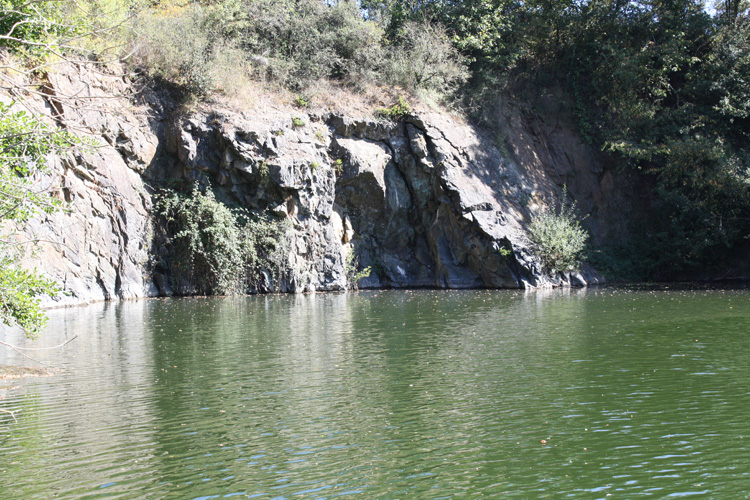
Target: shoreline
x: 711, y: 284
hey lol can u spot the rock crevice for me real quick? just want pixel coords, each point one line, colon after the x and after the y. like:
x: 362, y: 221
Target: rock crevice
x: 425, y: 202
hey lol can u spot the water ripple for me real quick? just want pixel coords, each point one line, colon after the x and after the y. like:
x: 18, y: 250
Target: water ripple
x: 389, y: 395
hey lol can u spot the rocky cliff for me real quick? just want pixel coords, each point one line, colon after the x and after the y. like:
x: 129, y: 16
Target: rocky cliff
x: 426, y: 201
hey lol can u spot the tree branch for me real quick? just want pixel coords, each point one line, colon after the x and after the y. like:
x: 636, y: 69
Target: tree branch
x: 41, y: 348
x: 17, y: 349
x: 12, y: 413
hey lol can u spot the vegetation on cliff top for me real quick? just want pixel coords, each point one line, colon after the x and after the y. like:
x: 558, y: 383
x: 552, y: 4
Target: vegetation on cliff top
x: 295, y: 44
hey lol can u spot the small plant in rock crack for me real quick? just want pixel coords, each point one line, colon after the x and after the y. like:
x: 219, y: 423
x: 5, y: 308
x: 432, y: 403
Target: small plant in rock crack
x: 301, y: 101
x: 396, y: 112
x: 263, y: 170
x: 338, y: 166
x: 505, y: 252
x: 352, y: 274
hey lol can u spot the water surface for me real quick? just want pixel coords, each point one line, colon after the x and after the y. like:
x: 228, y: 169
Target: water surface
x: 388, y: 395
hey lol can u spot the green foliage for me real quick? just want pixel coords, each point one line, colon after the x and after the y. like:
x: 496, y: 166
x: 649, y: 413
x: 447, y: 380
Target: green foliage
x: 183, y: 49
x: 423, y: 59
x: 30, y: 26
x: 297, y: 122
x: 730, y: 10
x: 338, y: 166
x: 101, y: 29
x: 293, y: 43
x: 353, y: 275
x: 25, y: 143
x: 43, y: 31
x: 674, y: 107
x: 629, y: 261
x: 505, y: 252
x: 263, y: 170
x: 396, y: 112
x: 487, y: 31
x: 217, y: 250
x: 303, y: 41
x: 20, y: 290
x: 558, y: 237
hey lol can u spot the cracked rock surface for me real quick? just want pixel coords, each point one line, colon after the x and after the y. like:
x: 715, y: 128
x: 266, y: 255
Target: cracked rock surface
x: 428, y: 201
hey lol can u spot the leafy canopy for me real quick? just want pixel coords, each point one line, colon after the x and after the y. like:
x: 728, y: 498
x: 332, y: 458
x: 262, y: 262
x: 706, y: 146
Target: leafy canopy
x: 661, y: 86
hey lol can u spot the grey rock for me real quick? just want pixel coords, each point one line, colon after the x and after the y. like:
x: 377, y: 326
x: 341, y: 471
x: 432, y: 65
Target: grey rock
x: 429, y: 202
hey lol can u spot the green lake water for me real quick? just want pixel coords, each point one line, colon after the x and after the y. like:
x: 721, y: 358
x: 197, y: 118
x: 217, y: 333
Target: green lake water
x: 592, y: 394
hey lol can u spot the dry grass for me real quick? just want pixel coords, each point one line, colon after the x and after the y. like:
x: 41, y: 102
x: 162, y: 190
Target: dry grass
x: 323, y: 96
x: 339, y: 98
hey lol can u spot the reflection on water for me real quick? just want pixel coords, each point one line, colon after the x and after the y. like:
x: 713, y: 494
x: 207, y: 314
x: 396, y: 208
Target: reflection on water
x: 388, y: 395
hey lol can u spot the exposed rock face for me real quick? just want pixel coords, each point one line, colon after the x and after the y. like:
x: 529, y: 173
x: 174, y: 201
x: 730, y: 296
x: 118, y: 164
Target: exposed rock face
x: 98, y: 247
x: 426, y: 202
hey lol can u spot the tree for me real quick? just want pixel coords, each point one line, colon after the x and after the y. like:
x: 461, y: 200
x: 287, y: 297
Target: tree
x: 35, y: 35
x: 730, y: 10
x: 25, y: 145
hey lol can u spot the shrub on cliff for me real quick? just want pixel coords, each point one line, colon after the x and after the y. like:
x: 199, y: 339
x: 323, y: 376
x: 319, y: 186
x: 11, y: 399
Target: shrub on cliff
x: 216, y: 250
x: 558, y: 237
x: 423, y: 59
x: 177, y: 48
